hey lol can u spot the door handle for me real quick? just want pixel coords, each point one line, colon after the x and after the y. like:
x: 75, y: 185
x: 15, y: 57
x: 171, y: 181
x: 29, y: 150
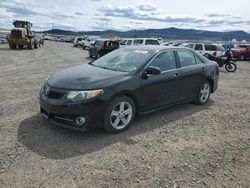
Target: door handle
x: 175, y: 75
x: 203, y: 68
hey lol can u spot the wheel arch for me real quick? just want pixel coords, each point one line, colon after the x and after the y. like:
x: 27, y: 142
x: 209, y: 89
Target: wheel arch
x: 132, y: 96
x: 211, y: 82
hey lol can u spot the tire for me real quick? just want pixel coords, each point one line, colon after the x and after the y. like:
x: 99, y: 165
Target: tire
x: 242, y: 57
x: 203, y: 93
x: 231, y: 67
x: 12, y: 46
x: 20, y: 46
x: 119, y: 114
x: 30, y: 46
x: 35, y: 45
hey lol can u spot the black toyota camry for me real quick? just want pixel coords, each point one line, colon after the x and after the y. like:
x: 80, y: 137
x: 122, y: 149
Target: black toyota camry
x: 110, y: 91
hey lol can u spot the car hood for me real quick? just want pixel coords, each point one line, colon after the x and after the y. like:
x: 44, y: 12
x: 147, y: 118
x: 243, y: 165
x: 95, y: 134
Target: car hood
x: 85, y: 77
x: 238, y: 49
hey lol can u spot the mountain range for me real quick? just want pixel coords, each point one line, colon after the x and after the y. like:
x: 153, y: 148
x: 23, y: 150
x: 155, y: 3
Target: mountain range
x: 168, y: 33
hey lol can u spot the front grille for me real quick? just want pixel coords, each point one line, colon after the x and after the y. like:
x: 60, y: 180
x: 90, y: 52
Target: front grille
x: 16, y: 34
x: 53, y: 93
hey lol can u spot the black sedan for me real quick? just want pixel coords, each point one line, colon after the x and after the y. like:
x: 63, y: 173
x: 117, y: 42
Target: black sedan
x: 110, y: 91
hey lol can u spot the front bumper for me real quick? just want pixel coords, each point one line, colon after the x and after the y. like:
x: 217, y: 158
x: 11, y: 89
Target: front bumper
x: 63, y: 113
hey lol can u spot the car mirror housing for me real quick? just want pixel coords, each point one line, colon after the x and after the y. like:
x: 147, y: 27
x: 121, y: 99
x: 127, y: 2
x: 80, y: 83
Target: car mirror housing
x: 150, y: 70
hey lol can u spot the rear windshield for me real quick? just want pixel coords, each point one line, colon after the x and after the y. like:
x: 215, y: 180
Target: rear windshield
x: 152, y: 42
x: 189, y: 46
x: 220, y: 48
x: 111, y: 44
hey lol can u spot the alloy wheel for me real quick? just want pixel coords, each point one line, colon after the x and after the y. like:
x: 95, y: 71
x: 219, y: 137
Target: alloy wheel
x: 204, y: 92
x: 121, y: 115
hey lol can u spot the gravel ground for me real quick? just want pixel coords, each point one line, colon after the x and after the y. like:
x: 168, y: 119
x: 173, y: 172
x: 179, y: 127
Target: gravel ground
x: 182, y: 146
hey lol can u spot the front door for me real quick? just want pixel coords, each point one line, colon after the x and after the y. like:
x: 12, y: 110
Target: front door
x: 162, y: 89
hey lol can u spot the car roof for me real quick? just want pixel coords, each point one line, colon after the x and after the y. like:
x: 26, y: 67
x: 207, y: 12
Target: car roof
x: 154, y: 47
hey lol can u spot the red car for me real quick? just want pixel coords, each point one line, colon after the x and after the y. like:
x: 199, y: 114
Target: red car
x: 241, y: 52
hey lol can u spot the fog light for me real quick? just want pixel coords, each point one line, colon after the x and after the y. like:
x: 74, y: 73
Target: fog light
x: 80, y: 121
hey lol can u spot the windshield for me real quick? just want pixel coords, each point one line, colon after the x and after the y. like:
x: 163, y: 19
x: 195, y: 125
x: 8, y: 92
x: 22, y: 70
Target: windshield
x: 125, y: 60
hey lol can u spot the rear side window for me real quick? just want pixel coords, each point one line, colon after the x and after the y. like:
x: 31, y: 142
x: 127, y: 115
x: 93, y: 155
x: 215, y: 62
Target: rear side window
x: 152, y: 42
x: 129, y: 42
x: 198, y: 47
x: 164, y: 61
x: 138, y: 41
x: 186, y: 58
x: 209, y: 47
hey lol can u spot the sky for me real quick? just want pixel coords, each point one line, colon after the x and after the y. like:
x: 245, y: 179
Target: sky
x: 123, y: 15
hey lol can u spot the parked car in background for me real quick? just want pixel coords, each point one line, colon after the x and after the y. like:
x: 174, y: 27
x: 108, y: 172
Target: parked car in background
x: 87, y: 43
x: 206, y: 48
x: 126, y: 42
x: 78, y: 41
x: 145, y: 41
x: 139, y: 41
x: 241, y: 52
x: 40, y: 40
x: 102, y: 47
x: 110, y: 91
x: 228, y: 46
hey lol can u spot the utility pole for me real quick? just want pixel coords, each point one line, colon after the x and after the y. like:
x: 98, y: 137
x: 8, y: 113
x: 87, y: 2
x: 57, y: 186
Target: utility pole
x: 52, y: 24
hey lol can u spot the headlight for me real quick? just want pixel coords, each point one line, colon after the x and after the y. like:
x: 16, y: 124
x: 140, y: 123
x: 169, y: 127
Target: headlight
x: 83, y: 95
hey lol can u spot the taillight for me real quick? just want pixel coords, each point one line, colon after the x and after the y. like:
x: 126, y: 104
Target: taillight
x: 217, y: 69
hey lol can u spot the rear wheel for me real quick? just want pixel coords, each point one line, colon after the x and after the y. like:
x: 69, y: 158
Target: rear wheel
x: 231, y: 67
x: 242, y: 57
x: 12, y: 46
x: 35, y: 45
x: 30, y: 46
x: 119, y: 114
x: 203, y: 93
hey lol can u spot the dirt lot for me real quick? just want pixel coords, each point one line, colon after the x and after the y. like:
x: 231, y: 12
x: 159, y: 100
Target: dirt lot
x: 185, y: 146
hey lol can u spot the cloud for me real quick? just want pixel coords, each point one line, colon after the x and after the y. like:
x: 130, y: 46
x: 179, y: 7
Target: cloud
x: 145, y: 12
x: 19, y: 9
x: 147, y: 7
x: 213, y: 15
x: 105, y: 19
x: 79, y: 14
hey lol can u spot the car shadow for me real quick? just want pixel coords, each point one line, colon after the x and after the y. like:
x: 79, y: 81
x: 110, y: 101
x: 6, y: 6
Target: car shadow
x: 90, y: 59
x: 17, y: 49
x: 58, y: 143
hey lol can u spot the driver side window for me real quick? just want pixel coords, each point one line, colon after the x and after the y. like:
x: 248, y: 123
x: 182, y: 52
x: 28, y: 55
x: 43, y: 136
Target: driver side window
x: 164, y: 61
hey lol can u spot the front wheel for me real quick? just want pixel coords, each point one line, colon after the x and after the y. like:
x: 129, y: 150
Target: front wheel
x: 203, y: 93
x: 98, y: 55
x: 231, y: 67
x: 119, y: 114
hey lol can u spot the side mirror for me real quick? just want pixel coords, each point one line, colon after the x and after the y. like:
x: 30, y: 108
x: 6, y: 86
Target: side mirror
x: 150, y: 71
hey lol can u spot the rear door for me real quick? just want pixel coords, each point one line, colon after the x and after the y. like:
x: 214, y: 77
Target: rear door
x: 199, y: 48
x: 162, y: 89
x: 192, y: 71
